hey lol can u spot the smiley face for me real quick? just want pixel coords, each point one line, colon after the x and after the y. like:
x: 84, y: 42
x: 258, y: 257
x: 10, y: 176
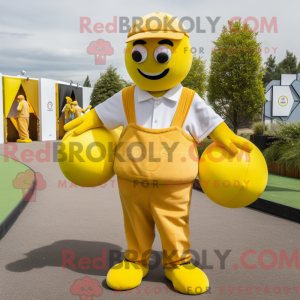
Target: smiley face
x: 157, y: 64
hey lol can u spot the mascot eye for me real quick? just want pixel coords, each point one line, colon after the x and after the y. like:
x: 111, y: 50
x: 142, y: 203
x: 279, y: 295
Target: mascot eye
x: 162, y: 54
x: 139, y: 54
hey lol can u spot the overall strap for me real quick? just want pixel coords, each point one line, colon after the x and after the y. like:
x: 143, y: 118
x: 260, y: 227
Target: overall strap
x: 128, y: 103
x: 185, y: 101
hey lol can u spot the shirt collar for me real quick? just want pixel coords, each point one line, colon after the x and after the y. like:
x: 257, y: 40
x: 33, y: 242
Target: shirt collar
x: 172, y: 94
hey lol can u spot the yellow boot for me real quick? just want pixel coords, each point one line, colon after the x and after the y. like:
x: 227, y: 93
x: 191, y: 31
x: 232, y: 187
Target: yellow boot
x: 27, y: 141
x: 24, y: 141
x: 187, y: 279
x: 126, y: 275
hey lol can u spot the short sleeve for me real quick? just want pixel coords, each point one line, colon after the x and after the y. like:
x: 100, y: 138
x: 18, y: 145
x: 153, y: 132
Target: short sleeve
x: 111, y: 111
x: 201, y: 119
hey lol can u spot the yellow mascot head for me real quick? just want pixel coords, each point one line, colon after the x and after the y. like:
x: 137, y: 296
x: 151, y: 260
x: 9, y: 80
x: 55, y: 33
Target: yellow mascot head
x: 158, y: 54
x: 20, y: 98
x: 69, y: 100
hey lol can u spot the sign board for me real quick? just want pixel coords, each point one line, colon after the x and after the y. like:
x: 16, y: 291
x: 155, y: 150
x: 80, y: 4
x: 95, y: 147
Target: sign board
x: 282, y: 101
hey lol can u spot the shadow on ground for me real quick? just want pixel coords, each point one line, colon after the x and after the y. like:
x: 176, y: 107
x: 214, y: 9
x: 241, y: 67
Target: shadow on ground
x: 52, y: 256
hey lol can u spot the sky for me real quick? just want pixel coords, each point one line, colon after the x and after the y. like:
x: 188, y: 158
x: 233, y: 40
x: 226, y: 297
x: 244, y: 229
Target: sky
x: 44, y: 39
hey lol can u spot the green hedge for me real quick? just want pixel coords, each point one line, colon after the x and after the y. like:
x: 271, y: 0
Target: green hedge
x: 286, y: 150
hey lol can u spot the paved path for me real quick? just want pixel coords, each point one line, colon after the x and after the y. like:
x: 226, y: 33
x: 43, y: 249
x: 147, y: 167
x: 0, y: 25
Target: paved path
x: 89, y: 221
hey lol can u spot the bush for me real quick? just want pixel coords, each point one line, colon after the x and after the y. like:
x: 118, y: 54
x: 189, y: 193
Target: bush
x: 289, y: 133
x: 258, y: 128
x: 291, y: 157
x: 285, y: 150
x: 203, y: 145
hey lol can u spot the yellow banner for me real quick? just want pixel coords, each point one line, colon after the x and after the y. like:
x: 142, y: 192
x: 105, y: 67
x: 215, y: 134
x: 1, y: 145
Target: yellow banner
x: 31, y: 89
x: 11, y: 87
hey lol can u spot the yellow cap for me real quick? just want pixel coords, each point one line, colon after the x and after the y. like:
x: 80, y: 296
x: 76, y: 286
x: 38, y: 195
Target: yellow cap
x: 21, y: 97
x: 157, y: 25
x: 68, y: 98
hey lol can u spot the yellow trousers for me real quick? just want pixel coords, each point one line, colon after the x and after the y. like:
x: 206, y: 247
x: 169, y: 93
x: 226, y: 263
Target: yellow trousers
x: 167, y: 206
x: 23, y: 124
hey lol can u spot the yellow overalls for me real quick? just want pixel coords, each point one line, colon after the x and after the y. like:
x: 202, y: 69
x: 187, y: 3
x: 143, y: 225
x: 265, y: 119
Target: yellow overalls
x: 68, y: 110
x: 23, y: 121
x: 156, y: 169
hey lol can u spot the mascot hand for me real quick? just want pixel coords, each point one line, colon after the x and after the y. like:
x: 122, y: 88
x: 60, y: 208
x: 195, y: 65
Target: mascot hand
x: 224, y: 137
x: 82, y: 124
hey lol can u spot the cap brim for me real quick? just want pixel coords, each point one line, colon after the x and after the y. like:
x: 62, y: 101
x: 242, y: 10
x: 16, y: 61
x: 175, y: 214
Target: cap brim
x: 156, y: 34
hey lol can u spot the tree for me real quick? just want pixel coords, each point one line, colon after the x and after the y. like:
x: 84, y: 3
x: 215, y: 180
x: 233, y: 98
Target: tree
x: 126, y: 83
x: 271, y: 70
x: 197, y: 77
x: 109, y: 83
x: 87, y: 82
x: 287, y: 66
x: 235, y: 86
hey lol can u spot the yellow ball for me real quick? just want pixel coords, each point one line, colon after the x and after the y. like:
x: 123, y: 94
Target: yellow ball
x: 87, y: 159
x: 232, y: 181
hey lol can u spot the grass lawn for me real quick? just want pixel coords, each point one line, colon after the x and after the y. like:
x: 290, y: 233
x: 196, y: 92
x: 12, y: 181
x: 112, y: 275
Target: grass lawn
x: 283, y: 190
x: 9, y: 196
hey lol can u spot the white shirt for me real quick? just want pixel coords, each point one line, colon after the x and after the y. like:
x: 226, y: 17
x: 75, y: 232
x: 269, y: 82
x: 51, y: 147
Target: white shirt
x: 20, y: 104
x: 158, y: 113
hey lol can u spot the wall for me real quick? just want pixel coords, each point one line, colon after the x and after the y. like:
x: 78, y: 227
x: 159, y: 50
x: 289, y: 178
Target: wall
x: 47, y: 109
x: 295, y: 116
x: 294, y: 88
x: 87, y: 91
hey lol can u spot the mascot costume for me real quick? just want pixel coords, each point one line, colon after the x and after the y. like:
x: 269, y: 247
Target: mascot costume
x: 23, y: 120
x: 69, y: 110
x: 155, y: 158
x: 79, y: 110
